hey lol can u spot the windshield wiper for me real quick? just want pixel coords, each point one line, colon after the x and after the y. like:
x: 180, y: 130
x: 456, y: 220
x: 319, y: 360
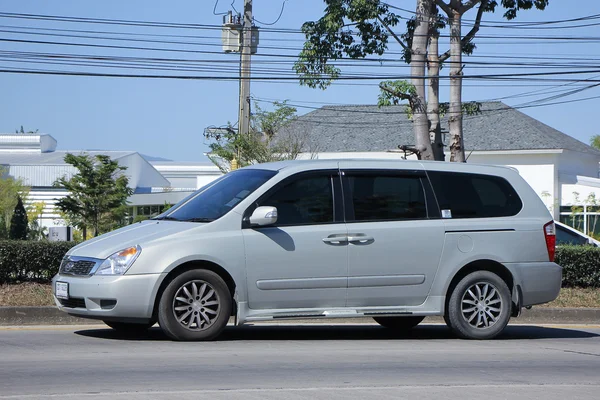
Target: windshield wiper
x: 199, y: 220
x: 165, y: 219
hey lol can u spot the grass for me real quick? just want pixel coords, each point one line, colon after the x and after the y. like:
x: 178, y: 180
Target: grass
x: 576, y: 297
x: 38, y: 294
x: 26, y: 294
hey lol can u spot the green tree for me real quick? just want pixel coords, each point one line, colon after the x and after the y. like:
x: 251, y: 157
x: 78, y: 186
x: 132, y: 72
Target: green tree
x: 265, y: 142
x: 34, y: 214
x: 22, y: 131
x: 98, y: 193
x: 595, y: 142
x: 18, y: 222
x: 358, y: 28
x: 10, y: 191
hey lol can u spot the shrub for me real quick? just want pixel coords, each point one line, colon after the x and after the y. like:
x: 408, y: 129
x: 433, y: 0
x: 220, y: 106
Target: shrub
x: 22, y: 261
x: 581, y: 265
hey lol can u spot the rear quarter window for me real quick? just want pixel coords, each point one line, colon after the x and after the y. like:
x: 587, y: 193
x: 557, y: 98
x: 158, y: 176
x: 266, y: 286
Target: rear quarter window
x: 474, y: 195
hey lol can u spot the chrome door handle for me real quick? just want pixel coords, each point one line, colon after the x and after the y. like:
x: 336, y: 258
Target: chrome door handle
x: 360, y: 237
x: 336, y: 239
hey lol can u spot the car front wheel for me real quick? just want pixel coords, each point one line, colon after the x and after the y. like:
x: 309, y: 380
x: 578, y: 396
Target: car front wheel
x: 196, y: 305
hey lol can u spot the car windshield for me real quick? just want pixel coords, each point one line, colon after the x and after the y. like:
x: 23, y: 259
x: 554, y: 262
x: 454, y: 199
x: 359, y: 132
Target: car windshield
x: 219, y: 197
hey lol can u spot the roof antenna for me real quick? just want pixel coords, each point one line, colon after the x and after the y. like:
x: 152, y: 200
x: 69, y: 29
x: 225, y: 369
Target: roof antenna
x: 467, y: 159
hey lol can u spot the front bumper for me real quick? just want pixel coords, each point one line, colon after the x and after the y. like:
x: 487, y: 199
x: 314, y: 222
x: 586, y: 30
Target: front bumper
x: 126, y: 298
x: 540, y: 282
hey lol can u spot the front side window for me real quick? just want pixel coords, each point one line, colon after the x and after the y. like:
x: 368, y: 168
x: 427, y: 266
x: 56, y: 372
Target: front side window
x: 306, y: 200
x: 381, y: 198
x: 219, y: 197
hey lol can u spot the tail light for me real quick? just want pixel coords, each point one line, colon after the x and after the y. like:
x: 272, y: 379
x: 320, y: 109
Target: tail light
x: 550, y: 235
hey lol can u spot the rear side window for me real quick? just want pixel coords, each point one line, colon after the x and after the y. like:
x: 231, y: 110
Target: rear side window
x: 381, y: 198
x: 474, y: 196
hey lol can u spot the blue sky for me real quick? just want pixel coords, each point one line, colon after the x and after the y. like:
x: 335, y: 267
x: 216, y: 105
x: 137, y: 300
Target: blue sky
x: 167, y: 117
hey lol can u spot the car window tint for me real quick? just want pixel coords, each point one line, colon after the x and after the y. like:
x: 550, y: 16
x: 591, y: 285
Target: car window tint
x: 474, y: 196
x: 565, y: 236
x: 377, y: 198
x: 307, y: 200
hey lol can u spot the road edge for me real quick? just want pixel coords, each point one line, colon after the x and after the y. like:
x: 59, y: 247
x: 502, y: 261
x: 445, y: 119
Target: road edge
x: 14, y: 316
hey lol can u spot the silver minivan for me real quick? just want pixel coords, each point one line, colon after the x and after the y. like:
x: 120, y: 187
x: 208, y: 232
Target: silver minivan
x: 395, y: 241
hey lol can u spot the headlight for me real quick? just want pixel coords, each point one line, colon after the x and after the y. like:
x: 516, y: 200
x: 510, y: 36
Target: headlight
x: 119, y: 263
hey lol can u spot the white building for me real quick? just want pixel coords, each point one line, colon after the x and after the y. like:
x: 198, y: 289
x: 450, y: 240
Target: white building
x: 562, y: 170
x: 34, y: 159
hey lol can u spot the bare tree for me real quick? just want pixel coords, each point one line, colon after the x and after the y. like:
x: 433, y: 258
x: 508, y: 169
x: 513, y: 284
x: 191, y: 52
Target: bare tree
x: 417, y: 73
x: 454, y: 10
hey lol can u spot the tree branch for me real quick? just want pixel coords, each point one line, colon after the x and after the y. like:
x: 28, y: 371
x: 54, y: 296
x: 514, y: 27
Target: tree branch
x: 401, y: 95
x: 470, y: 4
x: 469, y: 36
x: 444, y: 6
x: 404, y: 46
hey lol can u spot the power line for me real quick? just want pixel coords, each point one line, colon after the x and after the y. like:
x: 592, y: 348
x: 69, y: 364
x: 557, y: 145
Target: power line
x: 278, y: 18
x: 215, y: 9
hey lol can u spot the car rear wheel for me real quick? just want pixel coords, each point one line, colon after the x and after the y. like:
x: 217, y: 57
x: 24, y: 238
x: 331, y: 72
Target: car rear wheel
x: 196, y: 305
x: 479, y: 306
x: 399, y: 323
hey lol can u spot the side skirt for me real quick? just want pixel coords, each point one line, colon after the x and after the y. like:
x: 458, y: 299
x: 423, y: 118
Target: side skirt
x: 434, y: 305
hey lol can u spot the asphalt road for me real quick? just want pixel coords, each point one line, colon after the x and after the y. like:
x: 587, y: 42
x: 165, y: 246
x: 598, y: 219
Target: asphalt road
x: 299, y: 361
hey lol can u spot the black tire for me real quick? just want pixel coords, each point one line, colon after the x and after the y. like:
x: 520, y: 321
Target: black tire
x: 399, y: 323
x: 129, y: 328
x: 203, y: 315
x: 469, y: 316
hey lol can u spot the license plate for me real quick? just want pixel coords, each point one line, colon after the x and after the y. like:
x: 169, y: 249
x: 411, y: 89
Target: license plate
x: 61, y: 290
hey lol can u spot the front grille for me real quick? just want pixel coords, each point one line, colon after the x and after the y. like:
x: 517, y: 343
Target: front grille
x: 73, y: 302
x: 80, y: 267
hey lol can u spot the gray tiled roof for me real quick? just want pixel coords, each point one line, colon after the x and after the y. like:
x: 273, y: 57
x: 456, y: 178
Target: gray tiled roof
x: 364, y: 128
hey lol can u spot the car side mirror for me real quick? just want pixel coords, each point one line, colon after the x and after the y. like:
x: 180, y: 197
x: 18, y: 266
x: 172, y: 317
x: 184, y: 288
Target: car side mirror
x: 264, y: 216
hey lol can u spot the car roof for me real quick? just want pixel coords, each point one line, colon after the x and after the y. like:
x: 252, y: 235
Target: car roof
x: 382, y: 163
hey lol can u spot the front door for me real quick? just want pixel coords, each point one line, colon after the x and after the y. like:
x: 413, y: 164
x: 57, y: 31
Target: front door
x: 394, y: 248
x: 298, y: 263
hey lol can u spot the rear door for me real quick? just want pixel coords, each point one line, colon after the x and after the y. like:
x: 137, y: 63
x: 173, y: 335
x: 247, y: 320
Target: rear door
x: 395, y: 237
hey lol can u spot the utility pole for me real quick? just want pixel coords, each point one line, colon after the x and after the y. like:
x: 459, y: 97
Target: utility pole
x: 244, y: 117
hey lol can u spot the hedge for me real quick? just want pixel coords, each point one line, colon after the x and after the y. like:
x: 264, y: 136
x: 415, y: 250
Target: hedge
x: 22, y: 261
x: 581, y: 265
x: 33, y: 261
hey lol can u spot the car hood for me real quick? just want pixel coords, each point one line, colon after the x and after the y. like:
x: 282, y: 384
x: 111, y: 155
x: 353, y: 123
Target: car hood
x: 131, y: 235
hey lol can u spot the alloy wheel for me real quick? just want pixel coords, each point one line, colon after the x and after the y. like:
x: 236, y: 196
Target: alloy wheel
x: 196, y: 305
x: 481, y: 305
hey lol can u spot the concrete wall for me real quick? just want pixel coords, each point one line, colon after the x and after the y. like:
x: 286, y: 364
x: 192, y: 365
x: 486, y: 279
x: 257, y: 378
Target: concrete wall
x: 573, y: 163
x: 49, y: 197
